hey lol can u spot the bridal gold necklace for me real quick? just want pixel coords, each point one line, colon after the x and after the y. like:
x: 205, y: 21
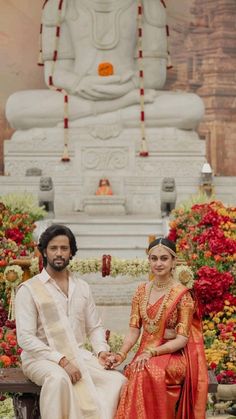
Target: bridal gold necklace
x: 152, y: 325
x: 162, y: 285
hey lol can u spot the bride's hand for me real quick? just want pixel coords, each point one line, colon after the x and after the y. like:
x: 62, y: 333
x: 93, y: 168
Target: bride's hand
x: 140, y: 361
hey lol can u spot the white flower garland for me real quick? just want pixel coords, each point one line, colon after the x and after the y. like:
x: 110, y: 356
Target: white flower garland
x: 128, y: 267
x: 124, y: 267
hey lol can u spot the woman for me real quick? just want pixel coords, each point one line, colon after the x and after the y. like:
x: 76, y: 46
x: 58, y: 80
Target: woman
x: 168, y: 375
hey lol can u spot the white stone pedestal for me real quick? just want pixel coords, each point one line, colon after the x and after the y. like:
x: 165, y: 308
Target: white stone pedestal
x: 107, y: 205
x: 112, y: 152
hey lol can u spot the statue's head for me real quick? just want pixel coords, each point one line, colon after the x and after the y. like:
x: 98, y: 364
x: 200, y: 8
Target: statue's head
x: 45, y: 183
x: 168, y: 184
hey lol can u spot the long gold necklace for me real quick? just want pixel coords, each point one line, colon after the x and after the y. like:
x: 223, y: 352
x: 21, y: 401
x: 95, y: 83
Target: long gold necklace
x: 152, y: 324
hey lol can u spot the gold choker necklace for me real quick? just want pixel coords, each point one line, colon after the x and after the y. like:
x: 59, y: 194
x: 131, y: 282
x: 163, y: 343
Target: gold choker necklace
x: 162, y: 285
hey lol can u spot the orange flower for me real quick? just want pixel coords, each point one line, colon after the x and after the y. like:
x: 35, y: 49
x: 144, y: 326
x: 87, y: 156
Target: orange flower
x: 105, y: 69
x: 217, y: 258
x: 207, y: 254
x: 6, y: 360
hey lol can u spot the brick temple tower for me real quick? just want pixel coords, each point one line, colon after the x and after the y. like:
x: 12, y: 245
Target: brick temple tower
x: 206, y: 57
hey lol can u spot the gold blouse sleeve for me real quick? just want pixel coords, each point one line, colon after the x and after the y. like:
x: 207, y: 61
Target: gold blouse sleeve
x: 185, y: 311
x: 135, y: 317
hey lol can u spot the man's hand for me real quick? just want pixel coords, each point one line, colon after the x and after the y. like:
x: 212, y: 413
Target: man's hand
x: 71, y: 369
x: 106, y: 359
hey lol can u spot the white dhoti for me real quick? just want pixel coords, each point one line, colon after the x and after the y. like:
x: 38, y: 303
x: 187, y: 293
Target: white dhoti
x: 57, y: 385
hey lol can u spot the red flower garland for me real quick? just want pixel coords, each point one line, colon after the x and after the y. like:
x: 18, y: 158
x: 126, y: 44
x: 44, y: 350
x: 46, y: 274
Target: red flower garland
x: 106, y: 265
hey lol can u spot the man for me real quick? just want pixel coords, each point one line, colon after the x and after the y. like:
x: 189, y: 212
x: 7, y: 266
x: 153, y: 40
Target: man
x: 55, y: 312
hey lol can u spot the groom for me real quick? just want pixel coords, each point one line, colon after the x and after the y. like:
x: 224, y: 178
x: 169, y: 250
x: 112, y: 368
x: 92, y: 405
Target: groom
x: 55, y: 313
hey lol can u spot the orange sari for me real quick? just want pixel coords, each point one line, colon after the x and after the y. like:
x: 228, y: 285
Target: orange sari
x: 171, y: 386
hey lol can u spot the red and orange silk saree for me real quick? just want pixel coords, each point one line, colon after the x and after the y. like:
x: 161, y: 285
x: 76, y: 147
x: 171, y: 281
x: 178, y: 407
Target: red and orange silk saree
x: 171, y: 386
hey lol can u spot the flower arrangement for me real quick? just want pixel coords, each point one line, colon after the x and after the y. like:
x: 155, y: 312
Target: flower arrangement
x: 205, y: 236
x: 9, y: 349
x: 219, y: 331
x: 6, y: 408
x: 16, y: 236
x: 21, y: 203
x: 18, y: 212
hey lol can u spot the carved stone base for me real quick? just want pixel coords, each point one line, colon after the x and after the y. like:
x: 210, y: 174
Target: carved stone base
x: 107, y: 205
x: 111, y: 152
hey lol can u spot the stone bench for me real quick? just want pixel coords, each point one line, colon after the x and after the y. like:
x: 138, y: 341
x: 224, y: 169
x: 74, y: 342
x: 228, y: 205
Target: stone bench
x: 26, y: 394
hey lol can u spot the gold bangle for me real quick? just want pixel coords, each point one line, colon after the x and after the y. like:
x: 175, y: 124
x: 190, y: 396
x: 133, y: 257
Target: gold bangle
x: 122, y: 354
x: 151, y: 351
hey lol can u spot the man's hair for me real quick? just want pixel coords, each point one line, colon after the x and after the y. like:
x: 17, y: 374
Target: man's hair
x: 54, y: 231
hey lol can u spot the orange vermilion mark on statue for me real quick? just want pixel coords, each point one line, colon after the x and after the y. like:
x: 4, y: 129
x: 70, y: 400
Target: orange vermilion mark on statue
x: 105, y: 69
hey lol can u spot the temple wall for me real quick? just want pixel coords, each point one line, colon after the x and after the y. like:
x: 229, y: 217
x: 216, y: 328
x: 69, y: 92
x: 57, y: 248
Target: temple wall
x: 203, y: 50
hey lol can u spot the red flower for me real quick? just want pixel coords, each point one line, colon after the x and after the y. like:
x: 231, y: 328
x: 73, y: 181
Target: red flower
x: 172, y: 234
x: 213, y: 365
x: 210, y: 288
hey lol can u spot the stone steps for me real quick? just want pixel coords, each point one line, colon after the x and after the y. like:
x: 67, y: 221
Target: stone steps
x: 124, y: 236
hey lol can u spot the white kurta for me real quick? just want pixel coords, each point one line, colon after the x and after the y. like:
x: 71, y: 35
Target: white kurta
x: 40, y: 362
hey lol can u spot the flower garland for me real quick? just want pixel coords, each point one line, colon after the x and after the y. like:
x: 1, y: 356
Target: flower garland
x: 65, y: 156
x: 144, y: 150
x: 169, y: 63
x: 112, y: 266
x: 106, y: 265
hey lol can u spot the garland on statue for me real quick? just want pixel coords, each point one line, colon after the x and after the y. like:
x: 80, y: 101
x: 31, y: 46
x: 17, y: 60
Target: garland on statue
x: 144, y: 148
x: 65, y: 156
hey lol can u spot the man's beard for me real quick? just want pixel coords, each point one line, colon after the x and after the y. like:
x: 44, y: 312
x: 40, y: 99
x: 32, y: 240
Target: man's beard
x: 61, y: 267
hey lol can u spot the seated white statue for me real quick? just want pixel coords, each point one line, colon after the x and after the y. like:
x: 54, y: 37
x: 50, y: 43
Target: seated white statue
x: 104, y: 31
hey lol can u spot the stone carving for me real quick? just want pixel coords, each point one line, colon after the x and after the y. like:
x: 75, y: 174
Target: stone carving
x: 91, y: 32
x: 46, y: 195
x: 105, y: 159
x: 105, y: 132
x: 33, y: 171
x: 168, y: 196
